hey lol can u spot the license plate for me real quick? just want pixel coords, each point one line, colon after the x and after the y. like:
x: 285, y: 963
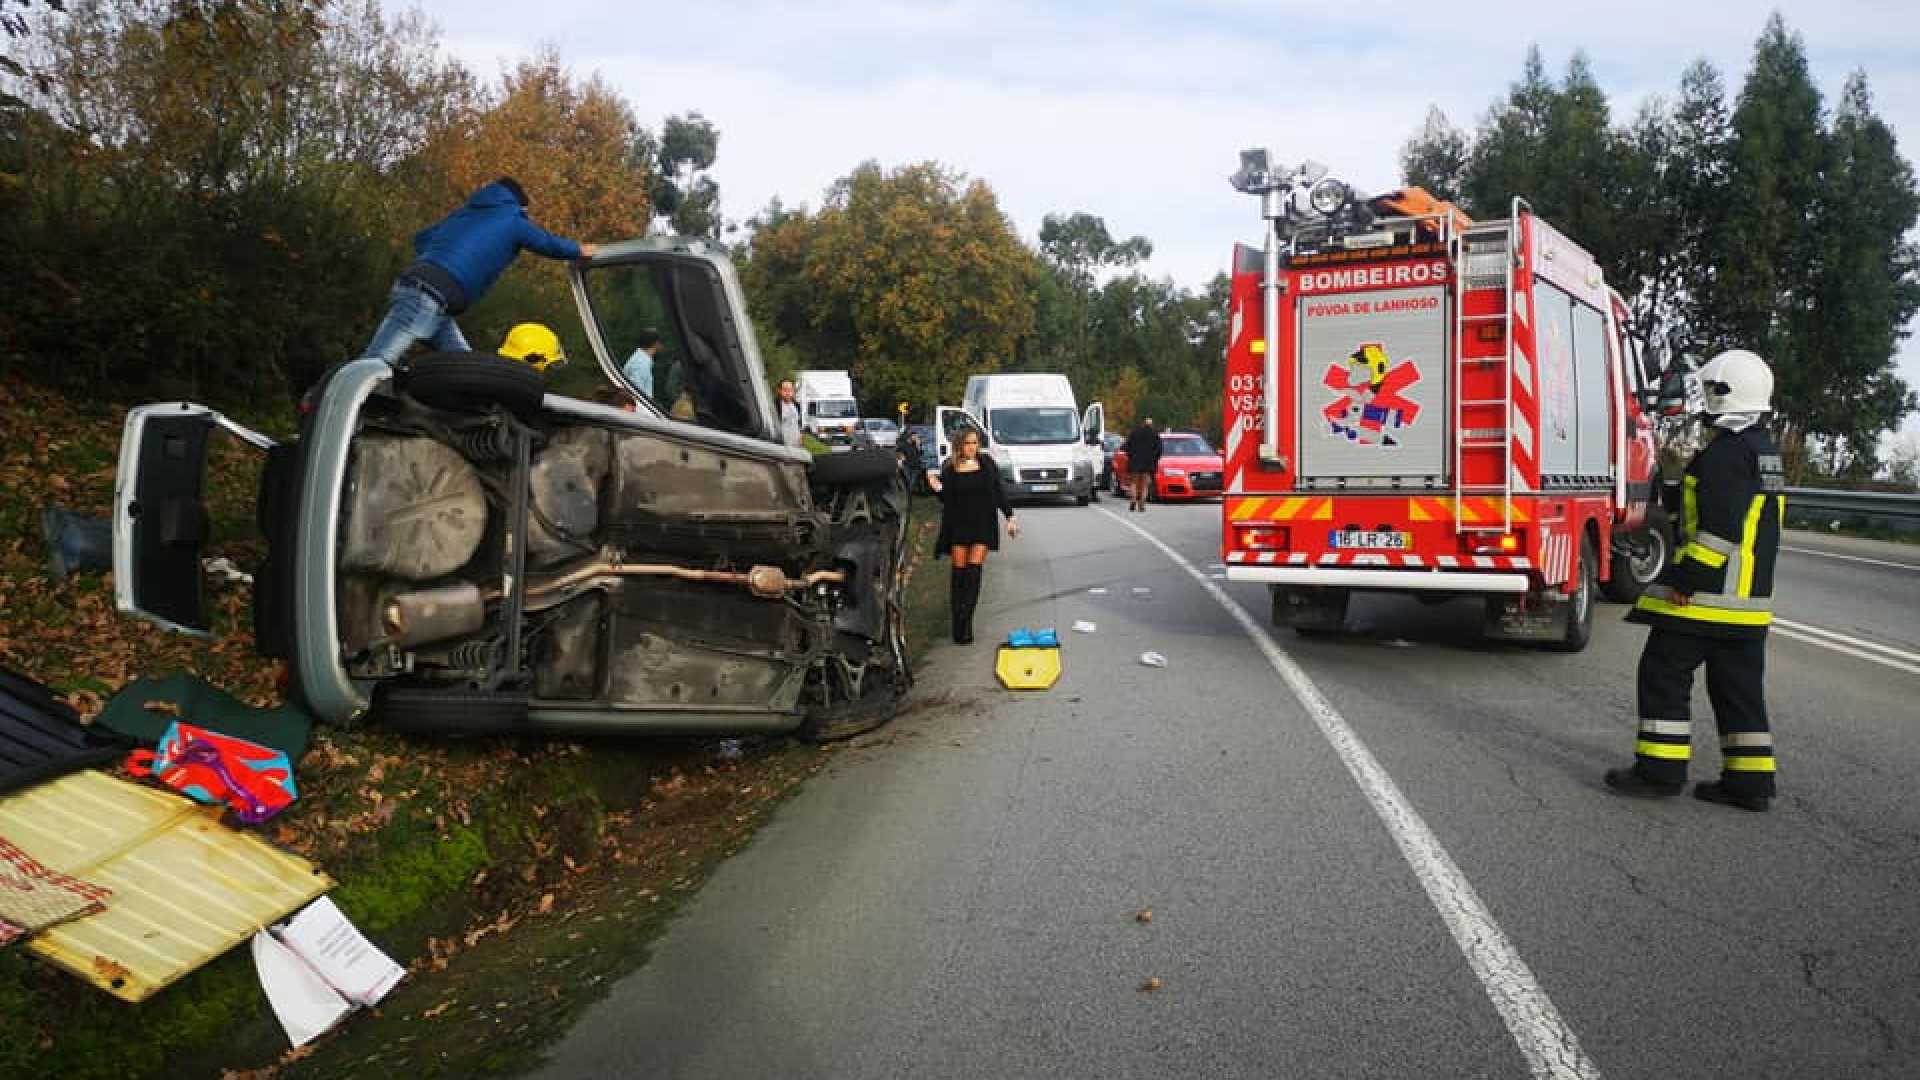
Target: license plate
x: 1370, y: 540
x: 1045, y: 487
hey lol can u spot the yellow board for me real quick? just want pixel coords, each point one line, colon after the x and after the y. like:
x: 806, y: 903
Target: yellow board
x: 1027, y: 669
x: 185, y: 887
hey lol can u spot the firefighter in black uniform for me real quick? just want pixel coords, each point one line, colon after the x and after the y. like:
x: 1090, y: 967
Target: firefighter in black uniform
x: 1714, y: 603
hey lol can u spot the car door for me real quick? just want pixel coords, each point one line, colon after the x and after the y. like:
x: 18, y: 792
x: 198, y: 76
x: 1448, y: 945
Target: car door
x: 708, y: 371
x: 949, y: 422
x: 1093, y: 431
x: 160, y: 512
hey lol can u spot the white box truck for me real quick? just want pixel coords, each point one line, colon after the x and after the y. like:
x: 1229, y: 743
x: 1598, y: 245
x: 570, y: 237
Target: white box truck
x: 828, y: 410
x: 1044, y: 444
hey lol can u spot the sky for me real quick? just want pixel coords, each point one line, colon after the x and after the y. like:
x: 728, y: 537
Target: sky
x: 1136, y: 111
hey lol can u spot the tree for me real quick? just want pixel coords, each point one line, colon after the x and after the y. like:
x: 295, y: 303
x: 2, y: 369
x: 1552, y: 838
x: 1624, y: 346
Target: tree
x: 1436, y: 157
x: 686, y: 199
x: 912, y: 278
x: 208, y: 179
x: 1078, y: 246
x: 1507, y: 155
x: 568, y: 142
x: 1766, y: 257
x: 1864, y: 288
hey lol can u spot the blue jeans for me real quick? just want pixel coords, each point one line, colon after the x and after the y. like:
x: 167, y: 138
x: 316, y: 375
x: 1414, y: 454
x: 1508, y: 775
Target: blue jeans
x: 414, y: 315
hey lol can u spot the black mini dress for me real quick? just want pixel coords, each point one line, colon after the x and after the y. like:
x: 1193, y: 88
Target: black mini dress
x: 970, y: 502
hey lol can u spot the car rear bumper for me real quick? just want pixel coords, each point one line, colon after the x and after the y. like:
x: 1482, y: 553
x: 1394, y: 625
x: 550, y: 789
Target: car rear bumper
x: 324, y: 682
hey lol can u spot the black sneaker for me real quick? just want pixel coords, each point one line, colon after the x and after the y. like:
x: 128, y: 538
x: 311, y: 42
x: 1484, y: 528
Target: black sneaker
x: 1714, y: 792
x: 1628, y: 781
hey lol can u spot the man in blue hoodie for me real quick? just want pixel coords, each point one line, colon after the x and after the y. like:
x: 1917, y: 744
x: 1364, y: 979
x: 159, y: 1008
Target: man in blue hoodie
x: 456, y: 260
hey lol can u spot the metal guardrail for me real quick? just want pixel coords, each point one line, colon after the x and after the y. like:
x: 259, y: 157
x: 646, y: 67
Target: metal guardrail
x: 1891, y: 509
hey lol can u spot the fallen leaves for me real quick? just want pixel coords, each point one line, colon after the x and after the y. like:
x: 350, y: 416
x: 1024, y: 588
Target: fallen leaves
x: 437, y: 1010
x: 1144, y: 915
x: 1151, y: 986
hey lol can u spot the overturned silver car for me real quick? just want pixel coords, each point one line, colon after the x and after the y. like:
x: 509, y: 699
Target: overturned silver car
x: 453, y: 550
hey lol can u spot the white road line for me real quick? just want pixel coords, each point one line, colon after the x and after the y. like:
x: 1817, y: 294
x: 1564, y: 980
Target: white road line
x: 1851, y: 558
x: 1551, y: 1050
x: 1898, y: 659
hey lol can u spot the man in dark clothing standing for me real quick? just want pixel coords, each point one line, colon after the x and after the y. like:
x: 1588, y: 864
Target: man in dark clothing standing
x: 1714, y: 603
x: 456, y: 260
x: 1143, y: 460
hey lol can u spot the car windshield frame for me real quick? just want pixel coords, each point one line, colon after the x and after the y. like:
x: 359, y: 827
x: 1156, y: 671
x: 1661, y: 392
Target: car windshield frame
x: 1168, y: 447
x: 1031, y: 431
x: 834, y: 409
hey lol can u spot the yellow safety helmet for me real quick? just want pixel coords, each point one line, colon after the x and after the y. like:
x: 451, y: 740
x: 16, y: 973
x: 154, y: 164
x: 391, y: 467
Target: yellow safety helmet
x: 535, y: 345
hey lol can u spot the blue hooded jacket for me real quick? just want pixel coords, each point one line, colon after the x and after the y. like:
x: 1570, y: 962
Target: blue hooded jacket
x: 475, y: 243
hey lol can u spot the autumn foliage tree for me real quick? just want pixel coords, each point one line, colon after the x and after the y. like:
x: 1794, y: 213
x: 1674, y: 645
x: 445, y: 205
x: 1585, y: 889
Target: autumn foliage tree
x: 912, y: 278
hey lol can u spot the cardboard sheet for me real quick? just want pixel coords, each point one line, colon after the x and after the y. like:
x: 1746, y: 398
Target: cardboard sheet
x: 186, y: 888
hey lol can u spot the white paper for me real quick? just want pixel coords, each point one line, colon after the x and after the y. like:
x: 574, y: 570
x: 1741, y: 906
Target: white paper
x: 1097, y: 590
x: 304, y: 1003
x: 341, y: 954
x: 1153, y: 659
x: 1082, y: 626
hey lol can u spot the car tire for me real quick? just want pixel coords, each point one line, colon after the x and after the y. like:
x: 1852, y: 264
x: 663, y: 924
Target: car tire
x: 855, y: 467
x: 1630, y: 573
x: 472, y: 382
x: 1580, y: 605
x: 430, y: 710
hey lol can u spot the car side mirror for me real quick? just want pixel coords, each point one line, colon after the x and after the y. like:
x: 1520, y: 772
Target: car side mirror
x: 1670, y: 399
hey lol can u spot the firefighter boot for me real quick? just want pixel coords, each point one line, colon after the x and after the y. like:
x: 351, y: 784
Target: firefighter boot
x: 1714, y: 791
x: 1629, y: 781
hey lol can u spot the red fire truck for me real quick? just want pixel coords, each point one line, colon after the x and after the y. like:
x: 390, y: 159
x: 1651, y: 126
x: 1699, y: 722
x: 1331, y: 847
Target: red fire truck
x: 1421, y: 403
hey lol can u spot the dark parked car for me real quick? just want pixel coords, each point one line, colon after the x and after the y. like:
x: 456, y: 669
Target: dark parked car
x: 1109, y: 443
x: 451, y: 549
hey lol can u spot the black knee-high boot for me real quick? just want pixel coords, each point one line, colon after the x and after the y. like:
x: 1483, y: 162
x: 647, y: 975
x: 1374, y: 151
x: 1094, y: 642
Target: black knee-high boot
x: 957, y: 604
x: 972, y: 603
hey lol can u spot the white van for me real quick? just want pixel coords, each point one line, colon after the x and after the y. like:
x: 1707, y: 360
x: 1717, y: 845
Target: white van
x: 1044, y: 445
x: 828, y: 411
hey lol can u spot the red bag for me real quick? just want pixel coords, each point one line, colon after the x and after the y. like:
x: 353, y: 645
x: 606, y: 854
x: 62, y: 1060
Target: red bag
x: 255, y: 781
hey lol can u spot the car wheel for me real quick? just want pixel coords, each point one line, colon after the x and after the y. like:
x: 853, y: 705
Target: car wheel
x: 1580, y: 604
x: 472, y: 382
x: 1638, y: 559
x: 428, y: 710
x: 855, y: 467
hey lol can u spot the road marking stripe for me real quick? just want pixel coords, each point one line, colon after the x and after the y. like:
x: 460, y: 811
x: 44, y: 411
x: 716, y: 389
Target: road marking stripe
x: 1551, y: 1050
x: 1851, y: 558
x: 1899, y: 659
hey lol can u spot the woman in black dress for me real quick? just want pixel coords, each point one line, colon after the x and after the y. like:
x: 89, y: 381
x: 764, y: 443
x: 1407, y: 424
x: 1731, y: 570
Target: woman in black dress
x: 971, y: 497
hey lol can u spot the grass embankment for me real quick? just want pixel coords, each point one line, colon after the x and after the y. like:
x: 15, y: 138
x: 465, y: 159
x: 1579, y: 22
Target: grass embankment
x: 513, y: 878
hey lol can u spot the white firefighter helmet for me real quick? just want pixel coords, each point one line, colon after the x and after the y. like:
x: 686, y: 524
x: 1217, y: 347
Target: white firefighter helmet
x: 1737, y: 381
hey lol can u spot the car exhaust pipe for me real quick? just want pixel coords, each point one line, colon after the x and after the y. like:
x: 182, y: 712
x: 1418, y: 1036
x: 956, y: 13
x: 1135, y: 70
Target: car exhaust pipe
x: 765, y: 582
x: 424, y: 616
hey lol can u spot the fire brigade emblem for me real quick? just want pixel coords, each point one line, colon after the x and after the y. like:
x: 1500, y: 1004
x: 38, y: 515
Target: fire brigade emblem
x: 1372, y: 404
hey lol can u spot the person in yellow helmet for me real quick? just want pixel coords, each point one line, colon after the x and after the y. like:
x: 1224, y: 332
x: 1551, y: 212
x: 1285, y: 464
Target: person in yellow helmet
x: 535, y: 345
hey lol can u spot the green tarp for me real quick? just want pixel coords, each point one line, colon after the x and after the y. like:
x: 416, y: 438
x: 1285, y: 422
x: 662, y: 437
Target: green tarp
x: 283, y: 728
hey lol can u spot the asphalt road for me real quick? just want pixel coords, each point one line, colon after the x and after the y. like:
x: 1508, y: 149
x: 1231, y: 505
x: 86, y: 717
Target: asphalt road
x: 959, y: 897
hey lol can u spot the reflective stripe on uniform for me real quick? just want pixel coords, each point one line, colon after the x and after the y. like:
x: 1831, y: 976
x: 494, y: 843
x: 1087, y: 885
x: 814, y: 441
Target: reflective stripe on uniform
x: 1703, y: 554
x: 1649, y: 726
x: 1665, y: 751
x: 1749, y: 532
x: 1748, y: 739
x: 1749, y: 764
x: 1704, y: 610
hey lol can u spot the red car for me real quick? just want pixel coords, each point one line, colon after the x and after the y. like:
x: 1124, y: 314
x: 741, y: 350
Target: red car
x: 1189, y: 468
